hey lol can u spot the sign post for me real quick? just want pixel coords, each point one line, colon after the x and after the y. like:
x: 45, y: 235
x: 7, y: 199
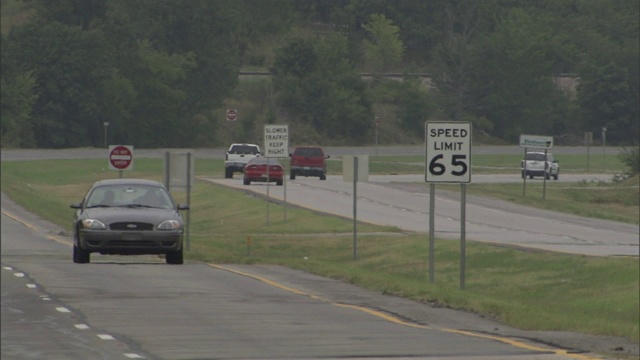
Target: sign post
x: 536, y: 142
x: 179, y: 175
x: 447, y: 160
x: 106, y: 141
x: 121, y: 157
x: 604, y: 145
x: 276, y: 145
x: 355, y: 168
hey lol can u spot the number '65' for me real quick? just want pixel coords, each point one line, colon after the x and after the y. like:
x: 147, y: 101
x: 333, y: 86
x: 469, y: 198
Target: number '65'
x: 436, y: 168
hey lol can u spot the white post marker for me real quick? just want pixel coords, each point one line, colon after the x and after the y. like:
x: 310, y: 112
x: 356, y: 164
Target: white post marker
x: 447, y: 160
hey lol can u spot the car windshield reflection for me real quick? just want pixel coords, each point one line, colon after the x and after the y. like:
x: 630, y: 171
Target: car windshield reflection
x: 139, y: 196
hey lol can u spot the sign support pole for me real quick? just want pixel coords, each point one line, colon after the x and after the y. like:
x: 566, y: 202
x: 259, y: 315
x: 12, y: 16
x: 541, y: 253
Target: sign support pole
x: 188, y: 200
x: 268, y: 200
x: 463, y: 233
x: 544, y: 178
x: 524, y: 175
x: 432, y: 251
x: 447, y: 160
x: 355, y: 207
x: 168, y: 173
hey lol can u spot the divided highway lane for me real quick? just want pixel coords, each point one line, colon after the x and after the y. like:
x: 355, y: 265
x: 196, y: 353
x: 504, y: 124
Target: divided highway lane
x: 140, y: 308
x: 403, y: 201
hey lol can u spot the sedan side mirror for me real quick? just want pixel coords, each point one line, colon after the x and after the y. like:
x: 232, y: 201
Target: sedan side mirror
x: 183, y: 207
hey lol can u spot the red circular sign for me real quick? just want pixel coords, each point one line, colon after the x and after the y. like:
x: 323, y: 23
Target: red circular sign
x: 232, y: 115
x: 120, y: 157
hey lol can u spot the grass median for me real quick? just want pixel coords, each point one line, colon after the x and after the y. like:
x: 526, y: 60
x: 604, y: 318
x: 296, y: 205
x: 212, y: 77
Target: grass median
x: 529, y: 289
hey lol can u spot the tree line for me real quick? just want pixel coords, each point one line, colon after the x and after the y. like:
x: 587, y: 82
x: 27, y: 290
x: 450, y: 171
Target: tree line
x: 159, y: 72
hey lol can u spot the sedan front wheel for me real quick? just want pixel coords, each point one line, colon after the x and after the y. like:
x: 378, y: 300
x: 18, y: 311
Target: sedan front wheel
x: 175, y: 257
x: 81, y: 256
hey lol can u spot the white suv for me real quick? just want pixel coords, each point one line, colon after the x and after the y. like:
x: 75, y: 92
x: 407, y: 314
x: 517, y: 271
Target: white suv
x: 534, y: 164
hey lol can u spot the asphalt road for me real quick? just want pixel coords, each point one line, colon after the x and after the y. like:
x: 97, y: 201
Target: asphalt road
x: 141, y: 308
x: 403, y: 201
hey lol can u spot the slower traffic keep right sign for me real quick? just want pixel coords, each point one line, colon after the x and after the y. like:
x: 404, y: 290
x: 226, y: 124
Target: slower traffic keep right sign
x: 447, y: 152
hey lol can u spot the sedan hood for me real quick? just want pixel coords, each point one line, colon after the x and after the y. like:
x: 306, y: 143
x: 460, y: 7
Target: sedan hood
x: 123, y: 214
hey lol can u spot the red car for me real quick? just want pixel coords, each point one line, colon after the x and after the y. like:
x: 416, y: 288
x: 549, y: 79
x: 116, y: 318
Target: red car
x: 308, y: 161
x: 256, y: 170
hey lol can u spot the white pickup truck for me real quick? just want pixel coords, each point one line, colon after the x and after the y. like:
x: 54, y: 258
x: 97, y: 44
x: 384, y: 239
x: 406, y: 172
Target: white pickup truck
x: 238, y: 156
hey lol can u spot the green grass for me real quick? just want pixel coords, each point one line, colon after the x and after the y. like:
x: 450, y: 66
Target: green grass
x: 529, y: 289
x: 488, y: 164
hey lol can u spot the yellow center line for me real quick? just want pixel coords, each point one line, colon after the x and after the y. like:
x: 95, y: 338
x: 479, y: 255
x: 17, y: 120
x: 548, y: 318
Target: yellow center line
x: 397, y: 320
x: 35, y: 228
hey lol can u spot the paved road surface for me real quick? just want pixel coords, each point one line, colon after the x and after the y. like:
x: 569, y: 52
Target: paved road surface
x: 141, y: 308
x: 403, y: 201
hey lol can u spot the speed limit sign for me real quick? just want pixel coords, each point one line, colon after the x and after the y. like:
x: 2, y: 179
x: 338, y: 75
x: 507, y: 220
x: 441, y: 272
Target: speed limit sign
x: 447, y: 152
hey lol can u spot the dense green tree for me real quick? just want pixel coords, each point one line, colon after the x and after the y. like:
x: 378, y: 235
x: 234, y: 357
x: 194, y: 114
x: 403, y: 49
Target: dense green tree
x: 70, y: 12
x: 317, y: 84
x: 202, y: 28
x: 69, y: 65
x: 159, y: 71
x: 606, y: 98
x: 17, y: 97
x: 512, y: 78
x: 157, y: 118
x: 259, y: 20
x: 453, y: 58
x: 383, y: 48
x: 414, y: 106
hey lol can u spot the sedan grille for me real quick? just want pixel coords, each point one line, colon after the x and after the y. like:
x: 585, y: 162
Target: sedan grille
x: 132, y: 226
x: 135, y: 243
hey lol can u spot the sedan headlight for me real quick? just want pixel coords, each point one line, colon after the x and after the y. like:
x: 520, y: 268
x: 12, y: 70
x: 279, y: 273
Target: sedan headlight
x: 169, y: 225
x: 93, y: 224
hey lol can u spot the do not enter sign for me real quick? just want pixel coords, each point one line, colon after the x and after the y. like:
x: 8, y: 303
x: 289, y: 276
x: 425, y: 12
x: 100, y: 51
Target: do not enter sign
x: 121, y: 157
x: 232, y: 115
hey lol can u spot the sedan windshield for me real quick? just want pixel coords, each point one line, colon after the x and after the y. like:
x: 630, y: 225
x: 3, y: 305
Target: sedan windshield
x: 132, y: 196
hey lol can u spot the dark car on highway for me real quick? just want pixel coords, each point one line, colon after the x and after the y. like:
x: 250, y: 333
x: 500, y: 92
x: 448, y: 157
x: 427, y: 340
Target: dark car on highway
x: 128, y: 217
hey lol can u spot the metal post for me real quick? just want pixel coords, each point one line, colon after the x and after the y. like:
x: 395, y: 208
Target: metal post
x: 106, y: 142
x: 284, y: 189
x: 432, y: 257
x: 355, y: 207
x: 188, y: 200
x: 524, y: 175
x: 604, y: 145
x: 544, y: 177
x: 377, y: 124
x: 463, y: 233
x: 587, y: 157
x: 167, y: 174
x: 268, y: 191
